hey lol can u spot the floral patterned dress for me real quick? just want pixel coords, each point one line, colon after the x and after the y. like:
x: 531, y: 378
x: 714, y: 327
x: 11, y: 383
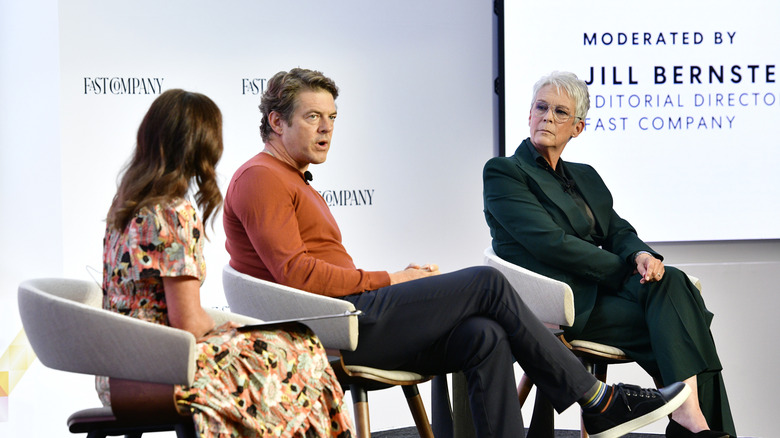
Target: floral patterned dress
x: 247, y: 384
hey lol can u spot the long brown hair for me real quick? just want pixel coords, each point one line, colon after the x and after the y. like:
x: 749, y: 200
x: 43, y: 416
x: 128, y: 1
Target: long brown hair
x: 179, y: 142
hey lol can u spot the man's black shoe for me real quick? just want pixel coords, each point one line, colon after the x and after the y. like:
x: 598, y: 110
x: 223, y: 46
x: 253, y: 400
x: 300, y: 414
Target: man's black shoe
x: 630, y: 407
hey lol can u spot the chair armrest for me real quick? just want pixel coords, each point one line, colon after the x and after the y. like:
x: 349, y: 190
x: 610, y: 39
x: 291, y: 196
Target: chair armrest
x: 220, y: 317
x: 270, y: 301
x: 71, y: 336
x: 552, y: 301
x: 695, y: 281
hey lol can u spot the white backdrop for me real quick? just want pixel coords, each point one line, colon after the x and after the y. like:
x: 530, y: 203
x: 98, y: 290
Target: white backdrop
x: 686, y: 157
x: 407, y: 131
x: 403, y: 122
x: 415, y: 127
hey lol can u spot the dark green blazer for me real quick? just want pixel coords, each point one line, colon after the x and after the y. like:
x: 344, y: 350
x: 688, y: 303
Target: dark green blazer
x: 535, y: 224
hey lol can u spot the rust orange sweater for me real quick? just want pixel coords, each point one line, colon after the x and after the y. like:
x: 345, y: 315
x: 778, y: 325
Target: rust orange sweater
x: 280, y: 229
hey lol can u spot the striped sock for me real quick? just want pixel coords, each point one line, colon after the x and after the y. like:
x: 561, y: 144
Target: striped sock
x: 599, y: 397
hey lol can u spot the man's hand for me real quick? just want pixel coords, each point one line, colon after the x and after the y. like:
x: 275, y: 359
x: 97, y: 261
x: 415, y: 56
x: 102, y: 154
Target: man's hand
x: 649, y: 267
x: 413, y: 272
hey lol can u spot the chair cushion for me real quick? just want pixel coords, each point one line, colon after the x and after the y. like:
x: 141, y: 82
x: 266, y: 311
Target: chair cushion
x: 396, y: 375
x: 79, y: 419
x: 598, y: 348
x: 102, y: 419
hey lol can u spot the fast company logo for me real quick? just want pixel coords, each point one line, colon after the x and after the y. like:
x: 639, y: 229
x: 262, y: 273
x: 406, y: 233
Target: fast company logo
x: 105, y: 85
x: 348, y: 197
x: 253, y: 86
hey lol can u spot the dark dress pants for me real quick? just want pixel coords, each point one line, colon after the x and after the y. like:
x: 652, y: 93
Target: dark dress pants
x: 473, y: 321
x: 665, y: 327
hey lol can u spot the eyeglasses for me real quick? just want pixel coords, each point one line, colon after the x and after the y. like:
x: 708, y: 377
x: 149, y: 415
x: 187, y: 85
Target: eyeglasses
x: 560, y: 114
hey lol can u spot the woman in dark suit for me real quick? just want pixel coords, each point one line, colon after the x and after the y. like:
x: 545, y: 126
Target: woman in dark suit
x: 556, y: 218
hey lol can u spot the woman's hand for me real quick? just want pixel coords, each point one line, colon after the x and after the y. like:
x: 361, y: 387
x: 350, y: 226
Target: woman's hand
x: 414, y: 272
x: 182, y: 295
x: 649, y: 267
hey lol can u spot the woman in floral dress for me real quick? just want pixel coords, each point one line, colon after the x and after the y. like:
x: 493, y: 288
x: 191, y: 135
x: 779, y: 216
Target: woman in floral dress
x: 248, y: 384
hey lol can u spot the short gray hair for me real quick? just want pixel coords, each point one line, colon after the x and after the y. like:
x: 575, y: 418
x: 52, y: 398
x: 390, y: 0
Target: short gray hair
x: 576, y: 88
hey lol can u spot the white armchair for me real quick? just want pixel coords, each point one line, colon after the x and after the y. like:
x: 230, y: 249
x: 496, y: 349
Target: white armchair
x: 69, y: 331
x: 552, y: 301
x: 271, y: 301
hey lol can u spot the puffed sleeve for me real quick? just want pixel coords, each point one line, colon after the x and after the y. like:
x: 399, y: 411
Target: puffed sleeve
x: 169, y: 242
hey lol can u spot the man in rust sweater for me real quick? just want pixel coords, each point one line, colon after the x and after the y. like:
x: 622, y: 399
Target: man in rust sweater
x: 279, y: 228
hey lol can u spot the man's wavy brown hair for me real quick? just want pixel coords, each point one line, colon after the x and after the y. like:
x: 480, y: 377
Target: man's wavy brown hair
x: 281, y: 94
x: 179, y: 143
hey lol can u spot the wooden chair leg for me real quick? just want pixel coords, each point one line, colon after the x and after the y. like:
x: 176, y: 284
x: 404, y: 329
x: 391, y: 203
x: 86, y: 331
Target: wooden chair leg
x: 524, y: 388
x: 360, y: 405
x: 418, y: 410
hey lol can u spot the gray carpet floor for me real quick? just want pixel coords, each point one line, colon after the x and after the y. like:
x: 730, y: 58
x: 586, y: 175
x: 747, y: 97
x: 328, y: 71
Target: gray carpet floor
x: 411, y: 432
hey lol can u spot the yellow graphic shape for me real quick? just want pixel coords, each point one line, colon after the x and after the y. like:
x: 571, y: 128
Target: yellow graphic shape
x: 16, y: 359
x: 4, y: 389
x: 13, y: 364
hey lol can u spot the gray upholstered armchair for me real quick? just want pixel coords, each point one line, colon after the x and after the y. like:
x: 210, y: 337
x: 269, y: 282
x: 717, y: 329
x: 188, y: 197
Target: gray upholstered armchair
x: 270, y: 301
x: 552, y: 301
x: 69, y: 331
